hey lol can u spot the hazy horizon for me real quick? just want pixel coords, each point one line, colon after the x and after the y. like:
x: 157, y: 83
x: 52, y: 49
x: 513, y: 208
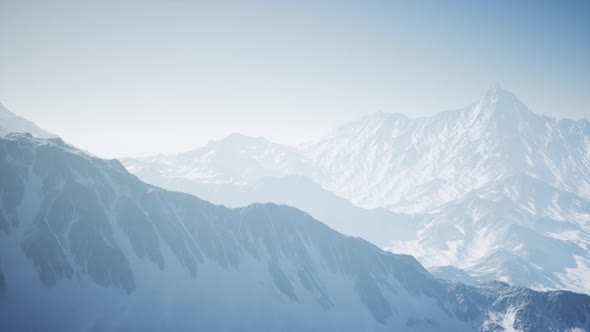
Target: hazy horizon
x: 166, y: 77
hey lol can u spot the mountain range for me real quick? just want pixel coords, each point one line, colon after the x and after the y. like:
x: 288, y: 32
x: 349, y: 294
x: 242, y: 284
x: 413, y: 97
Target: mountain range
x: 492, y: 191
x: 87, y: 246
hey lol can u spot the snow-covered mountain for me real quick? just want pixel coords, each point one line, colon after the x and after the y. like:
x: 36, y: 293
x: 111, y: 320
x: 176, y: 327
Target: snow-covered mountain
x: 10, y: 122
x: 539, y: 237
x: 419, y: 164
x: 86, y: 246
x: 479, y: 188
x: 236, y: 159
x: 507, y: 190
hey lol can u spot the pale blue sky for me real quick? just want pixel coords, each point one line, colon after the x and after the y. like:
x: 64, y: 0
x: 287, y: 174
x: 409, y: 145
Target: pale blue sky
x: 145, y: 77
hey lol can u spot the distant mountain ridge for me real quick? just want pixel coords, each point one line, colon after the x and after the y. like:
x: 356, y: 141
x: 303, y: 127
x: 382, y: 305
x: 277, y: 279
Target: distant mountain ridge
x: 10, y: 122
x: 419, y: 164
x: 85, y: 245
x: 471, y: 174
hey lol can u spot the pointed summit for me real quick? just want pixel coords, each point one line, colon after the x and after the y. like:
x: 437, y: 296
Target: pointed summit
x: 493, y: 94
x: 494, y: 87
x: 500, y: 102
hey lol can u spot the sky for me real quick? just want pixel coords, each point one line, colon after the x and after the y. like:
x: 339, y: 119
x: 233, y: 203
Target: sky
x: 133, y: 78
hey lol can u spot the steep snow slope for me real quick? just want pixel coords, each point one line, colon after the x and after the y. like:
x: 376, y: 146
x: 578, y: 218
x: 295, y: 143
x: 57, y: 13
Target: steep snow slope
x: 84, y: 245
x: 542, y: 243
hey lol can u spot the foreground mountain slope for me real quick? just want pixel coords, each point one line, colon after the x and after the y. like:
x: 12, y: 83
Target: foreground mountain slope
x: 10, y: 122
x: 87, y: 246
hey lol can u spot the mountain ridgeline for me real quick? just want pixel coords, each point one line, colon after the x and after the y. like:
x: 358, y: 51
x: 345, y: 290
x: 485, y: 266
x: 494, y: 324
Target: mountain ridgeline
x: 86, y: 246
x: 10, y: 122
x: 492, y: 191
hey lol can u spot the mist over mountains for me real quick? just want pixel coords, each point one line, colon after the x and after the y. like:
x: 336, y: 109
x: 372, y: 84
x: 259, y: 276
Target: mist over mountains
x: 493, y: 198
x: 493, y: 189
